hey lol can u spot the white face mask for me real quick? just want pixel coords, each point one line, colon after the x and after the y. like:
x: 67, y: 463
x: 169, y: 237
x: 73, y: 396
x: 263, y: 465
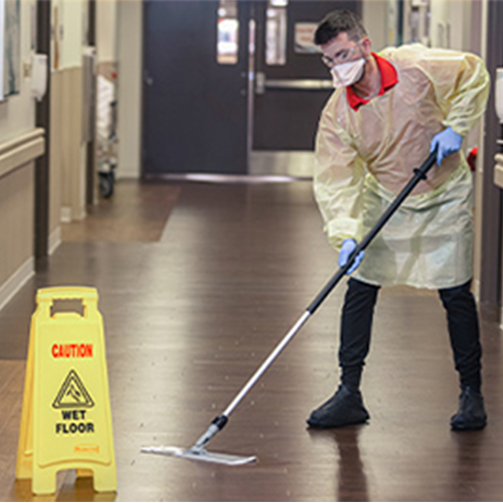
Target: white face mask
x: 347, y: 74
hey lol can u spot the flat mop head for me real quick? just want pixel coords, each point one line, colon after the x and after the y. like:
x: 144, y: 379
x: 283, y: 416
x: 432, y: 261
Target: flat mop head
x: 200, y: 455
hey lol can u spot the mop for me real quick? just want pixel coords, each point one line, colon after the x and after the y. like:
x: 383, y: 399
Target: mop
x: 198, y: 452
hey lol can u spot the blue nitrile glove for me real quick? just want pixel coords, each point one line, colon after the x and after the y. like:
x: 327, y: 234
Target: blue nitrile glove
x: 447, y: 142
x: 347, y: 248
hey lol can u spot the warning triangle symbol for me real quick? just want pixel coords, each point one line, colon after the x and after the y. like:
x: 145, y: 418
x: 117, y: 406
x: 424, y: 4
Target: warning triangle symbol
x: 73, y: 394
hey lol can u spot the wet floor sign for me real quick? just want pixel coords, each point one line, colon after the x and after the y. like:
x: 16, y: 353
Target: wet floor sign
x: 66, y: 421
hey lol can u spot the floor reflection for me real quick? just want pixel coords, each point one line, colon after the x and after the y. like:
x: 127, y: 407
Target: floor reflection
x: 467, y: 470
x: 351, y: 477
x: 71, y: 489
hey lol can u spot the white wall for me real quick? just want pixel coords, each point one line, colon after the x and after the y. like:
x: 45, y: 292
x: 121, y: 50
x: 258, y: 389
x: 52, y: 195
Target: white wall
x: 441, y: 26
x: 451, y: 24
x: 106, y: 30
x: 129, y: 119
x: 72, y: 18
x: 375, y: 20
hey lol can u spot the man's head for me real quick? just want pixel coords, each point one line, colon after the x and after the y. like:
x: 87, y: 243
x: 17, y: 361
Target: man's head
x: 342, y: 38
x: 339, y: 21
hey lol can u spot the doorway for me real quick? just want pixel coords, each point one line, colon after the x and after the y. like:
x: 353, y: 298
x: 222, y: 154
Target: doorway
x: 291, y: 85
x: 194, y: 103
x: 232, y: 86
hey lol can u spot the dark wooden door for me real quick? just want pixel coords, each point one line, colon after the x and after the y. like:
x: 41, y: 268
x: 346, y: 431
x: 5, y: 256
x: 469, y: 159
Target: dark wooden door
x: 195, y: 109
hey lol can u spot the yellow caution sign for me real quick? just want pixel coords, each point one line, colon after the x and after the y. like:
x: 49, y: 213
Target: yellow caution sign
x: 66, y: 421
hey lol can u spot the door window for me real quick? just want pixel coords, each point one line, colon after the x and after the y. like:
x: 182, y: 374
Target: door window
x: 276, y: 32
x: 227, y: 33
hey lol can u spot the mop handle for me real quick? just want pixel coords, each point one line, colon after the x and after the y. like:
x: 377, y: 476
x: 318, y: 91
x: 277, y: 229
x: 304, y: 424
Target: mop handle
x: 267, y: 363
x: 419, y: 174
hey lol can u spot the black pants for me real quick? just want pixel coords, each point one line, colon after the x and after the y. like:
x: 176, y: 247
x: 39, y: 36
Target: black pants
x: 356, y: 325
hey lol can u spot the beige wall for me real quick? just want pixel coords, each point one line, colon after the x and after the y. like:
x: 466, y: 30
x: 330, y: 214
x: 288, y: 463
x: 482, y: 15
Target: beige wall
x: 16, y: 227
x: 16, y: 220
x: 67, y: 156
x: 68, y: 151
x: 20, y: 144
x: 129, y: 119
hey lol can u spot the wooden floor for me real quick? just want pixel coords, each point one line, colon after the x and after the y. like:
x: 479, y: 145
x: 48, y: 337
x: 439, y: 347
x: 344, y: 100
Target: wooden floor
x: 189, y: 317
x: 136, y: 213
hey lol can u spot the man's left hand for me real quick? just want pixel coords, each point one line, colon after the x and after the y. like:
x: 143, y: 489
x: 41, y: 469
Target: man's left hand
x: 448, y: 142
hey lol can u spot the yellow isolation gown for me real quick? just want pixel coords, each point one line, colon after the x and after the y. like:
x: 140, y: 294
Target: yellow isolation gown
x: 365, y: 157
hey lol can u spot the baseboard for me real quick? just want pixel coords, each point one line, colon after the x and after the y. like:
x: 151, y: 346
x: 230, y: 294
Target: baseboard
x: 122, y: 174
x: 248, y: 179
x: 54, y: 240
x: 66, y: 214
x: 476, y: 289
x: 82, y: 214
x: 16, y: 282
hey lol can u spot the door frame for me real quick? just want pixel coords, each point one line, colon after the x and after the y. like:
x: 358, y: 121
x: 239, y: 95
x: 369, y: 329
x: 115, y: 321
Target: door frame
x: 491, y: 206
x: 43, y: 120
x: 91, y: 145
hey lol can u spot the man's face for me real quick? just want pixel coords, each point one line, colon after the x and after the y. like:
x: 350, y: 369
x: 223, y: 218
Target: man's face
x: 343, y: 49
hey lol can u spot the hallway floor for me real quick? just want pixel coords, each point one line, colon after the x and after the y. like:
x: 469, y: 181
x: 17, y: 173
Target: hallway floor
x: 196, y: 287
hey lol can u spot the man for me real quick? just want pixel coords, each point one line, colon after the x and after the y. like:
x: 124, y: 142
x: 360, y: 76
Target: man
x: 389, y: 111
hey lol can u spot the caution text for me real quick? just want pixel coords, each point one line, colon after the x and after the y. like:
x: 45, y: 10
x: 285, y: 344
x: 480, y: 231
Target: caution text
x: 72, y: 350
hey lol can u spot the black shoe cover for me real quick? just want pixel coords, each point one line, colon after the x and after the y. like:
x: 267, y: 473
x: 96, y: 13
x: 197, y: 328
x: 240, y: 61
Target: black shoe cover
x: 471, y: 414
x: 344, y: 408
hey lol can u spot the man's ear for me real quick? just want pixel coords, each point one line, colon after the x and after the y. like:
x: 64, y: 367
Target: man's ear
x: 366, y: 45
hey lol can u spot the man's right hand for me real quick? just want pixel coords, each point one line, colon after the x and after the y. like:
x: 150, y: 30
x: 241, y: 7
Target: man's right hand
x: 447, y: 142
x: 347, y: 248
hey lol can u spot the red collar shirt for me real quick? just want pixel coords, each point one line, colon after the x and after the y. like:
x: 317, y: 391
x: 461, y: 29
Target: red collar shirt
x: 389, y: 78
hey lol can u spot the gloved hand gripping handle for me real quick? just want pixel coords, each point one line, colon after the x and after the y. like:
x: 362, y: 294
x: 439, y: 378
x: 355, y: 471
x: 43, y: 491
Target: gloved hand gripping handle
x: 419, y: 174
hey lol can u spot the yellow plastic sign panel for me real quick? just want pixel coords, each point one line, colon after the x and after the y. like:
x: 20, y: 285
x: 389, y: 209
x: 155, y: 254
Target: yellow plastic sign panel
x: 66, y: 421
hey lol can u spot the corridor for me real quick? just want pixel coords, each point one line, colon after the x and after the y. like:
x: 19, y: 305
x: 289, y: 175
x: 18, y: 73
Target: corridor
x: 197, y: 283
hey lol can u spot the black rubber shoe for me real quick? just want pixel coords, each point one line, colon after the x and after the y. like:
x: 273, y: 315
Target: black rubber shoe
x: 471, y: 414
x: 344, y: 408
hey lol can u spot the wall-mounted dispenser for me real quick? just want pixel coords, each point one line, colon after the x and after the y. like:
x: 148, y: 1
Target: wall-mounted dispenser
x: 39, y: 76
x: 498, y: 94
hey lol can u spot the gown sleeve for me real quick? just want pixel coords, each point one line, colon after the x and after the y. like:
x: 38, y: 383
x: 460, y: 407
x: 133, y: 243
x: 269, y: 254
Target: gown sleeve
x: 338, y: 181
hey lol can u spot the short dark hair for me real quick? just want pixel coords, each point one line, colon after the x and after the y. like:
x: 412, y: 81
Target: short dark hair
x: 339, y: 21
